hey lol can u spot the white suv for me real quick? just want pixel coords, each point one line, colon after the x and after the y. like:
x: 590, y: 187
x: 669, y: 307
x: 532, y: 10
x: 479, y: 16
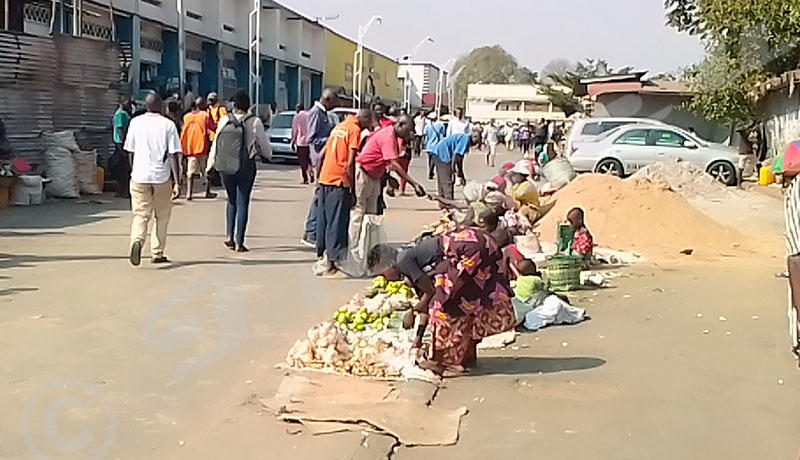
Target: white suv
x: 588, y: 129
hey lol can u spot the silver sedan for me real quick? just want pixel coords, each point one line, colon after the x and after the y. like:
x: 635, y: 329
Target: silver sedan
x: 625, y: 150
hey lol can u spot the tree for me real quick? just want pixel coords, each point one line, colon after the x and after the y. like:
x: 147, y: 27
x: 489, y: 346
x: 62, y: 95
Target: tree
x: 565, y: 100
x: 748, y: 42
x: 556, y: 68
x: 489, y: 64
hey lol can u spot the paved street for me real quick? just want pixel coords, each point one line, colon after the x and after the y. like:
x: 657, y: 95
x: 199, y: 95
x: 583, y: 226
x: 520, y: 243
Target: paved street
x: 167, y: 362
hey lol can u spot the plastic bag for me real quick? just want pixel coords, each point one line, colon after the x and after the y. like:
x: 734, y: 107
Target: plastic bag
x: 372, y: 234
x: 86, y: 171
x: 63, y: 139
x: 60, y: 167
x: 27, y: 191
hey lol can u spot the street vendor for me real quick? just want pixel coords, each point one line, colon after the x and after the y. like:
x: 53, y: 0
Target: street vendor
x: 471, y: 300
x: 582, y: 242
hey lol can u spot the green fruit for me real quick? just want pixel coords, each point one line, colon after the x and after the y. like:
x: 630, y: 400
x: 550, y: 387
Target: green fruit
x: 393, y: 316
x: 385, y: 321
x: 359, y: 327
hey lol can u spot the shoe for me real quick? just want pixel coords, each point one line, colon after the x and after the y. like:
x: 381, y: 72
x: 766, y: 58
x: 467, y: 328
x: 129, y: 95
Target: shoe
x: 136, y: 253
x: 211, y: 195
x: 242, y: 248
x: 230, y: 244
x: 160, y: 260
x: 307, y: 243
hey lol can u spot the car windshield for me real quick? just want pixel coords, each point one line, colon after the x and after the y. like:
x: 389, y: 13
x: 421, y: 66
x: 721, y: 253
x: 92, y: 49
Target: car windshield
x: 282, y: 121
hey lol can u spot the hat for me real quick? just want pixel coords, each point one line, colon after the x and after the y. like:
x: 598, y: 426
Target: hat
x: 212, y: 96
x: 495, y: 199
x: 522, y: 167
x: 432, y: 116
x: 474, y: 191
x: 508, y: 166
x: 497, y: 183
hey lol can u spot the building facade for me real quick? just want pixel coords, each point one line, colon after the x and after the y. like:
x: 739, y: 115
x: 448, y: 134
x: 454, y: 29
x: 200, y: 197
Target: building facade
x: 509, y: 103
x: 216, y: 43
x: 422, y: 78
x: 380, y: 71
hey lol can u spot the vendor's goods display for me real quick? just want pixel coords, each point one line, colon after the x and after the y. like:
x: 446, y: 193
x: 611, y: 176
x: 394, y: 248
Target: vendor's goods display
x: 365, y: 337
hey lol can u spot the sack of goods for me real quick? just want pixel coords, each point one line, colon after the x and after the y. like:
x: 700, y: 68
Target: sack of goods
x: 60, y: 168
x: 27, y: 191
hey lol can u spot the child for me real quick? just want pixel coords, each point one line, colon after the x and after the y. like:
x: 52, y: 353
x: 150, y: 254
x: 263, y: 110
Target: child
x: 582, y: 243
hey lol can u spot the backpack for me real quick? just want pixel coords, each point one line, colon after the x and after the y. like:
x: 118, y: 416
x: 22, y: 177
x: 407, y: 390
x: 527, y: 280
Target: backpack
x: 232, y: 150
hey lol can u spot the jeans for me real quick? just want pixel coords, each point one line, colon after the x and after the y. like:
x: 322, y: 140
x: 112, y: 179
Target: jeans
x: 431, y: 165
x: 239, y: 186
x: 304, y: 158
x: 444, y: 178
x: 310, y: 233
x: 333, y: 220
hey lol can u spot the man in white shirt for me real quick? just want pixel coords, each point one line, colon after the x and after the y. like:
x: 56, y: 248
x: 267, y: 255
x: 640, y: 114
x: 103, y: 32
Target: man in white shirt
x: 459, y: 124
x: 154, y: 145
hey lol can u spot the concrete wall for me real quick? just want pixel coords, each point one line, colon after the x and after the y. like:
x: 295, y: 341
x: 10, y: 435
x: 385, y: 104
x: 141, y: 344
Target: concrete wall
x: 659, y: 107
x: 781, y: 115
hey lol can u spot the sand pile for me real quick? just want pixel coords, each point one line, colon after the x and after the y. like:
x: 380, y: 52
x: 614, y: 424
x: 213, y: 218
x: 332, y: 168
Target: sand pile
x: 639, y: 217
x: 681, y: 177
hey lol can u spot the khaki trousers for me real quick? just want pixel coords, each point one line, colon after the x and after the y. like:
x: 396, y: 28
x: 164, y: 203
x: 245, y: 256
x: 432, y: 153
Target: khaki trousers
x: 368, y: 192
x: 148, y: 201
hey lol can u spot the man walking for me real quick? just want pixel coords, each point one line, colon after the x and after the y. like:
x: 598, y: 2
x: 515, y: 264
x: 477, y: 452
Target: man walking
x: 195, y: 134
x: 336, y: 179
x: 492, y: 139
x: 119, y: 164
x: 300, y: 143
x: 379, y: 154
x: 154, y: 144
x: 319, y: 129
x: 445, y: 156
x: 216, y: 111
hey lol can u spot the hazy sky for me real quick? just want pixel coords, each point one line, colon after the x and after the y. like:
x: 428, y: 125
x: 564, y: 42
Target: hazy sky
x: 624, y: 32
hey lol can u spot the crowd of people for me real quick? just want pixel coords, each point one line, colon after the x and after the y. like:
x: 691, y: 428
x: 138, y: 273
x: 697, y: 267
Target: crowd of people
x: 159, y: 151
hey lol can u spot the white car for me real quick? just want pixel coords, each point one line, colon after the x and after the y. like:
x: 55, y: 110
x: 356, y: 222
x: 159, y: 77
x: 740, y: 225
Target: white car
x: 589, y: 129
x: 627, y: 149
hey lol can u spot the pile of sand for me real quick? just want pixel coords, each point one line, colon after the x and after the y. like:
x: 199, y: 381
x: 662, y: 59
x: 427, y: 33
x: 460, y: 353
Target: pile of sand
x: 638, y: 217
x: 681, y: 177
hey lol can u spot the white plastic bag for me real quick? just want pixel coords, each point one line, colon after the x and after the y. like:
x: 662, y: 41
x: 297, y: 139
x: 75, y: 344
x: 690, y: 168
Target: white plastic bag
x: 372, y: 234
x: 553, y: 311
x: 27, y: 191
x: 63, y: 139
x: 60, y: 168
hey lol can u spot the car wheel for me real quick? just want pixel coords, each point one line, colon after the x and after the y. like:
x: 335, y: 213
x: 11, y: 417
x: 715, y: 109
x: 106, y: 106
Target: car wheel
x: 723, y: 172
x: 609, y: 166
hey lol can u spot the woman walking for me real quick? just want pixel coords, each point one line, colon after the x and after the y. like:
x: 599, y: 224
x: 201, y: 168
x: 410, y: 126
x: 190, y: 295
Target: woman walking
x: 239, y: 139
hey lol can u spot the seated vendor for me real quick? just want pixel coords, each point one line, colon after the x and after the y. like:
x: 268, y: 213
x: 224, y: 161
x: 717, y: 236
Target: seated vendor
x: 524, y: 192
x: 582, y: 243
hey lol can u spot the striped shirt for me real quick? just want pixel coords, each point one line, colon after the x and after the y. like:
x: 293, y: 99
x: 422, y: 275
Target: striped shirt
x: 792, y: 214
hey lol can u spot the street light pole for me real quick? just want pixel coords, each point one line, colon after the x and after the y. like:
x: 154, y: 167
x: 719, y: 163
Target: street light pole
x: 358, y: 60
x: 409, y: 58
x: 254, y: 55
x: 181, y: 50
x: 450, y: 84
x: 440, y: 86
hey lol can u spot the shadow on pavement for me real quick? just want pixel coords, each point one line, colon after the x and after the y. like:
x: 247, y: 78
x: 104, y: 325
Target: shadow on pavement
x: 59, y: 214
x: 245, y: 262
x: 28, y: 260
x: 505, y: 365
x: 11, y: 291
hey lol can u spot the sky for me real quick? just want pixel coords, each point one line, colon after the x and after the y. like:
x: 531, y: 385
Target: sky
x: 623, y: 32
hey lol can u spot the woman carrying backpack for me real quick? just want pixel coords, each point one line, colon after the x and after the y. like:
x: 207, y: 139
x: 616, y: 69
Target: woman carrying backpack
x: 239, y: 139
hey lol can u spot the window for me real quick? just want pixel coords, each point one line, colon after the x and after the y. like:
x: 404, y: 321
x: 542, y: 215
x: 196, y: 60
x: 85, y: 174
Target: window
x: 591, y: 129
x: 635, y: 137
x: 228, y: 28
x: 283, y: 121
x: 663, y: 138
x: 305, y: 55
x: 508, y: 106
x: 193, y: 15
x: 609, y: 125
x: 153, y: 2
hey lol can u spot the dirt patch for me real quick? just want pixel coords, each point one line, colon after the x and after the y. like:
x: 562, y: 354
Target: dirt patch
x: 641, y: 217
x: 683, y: 178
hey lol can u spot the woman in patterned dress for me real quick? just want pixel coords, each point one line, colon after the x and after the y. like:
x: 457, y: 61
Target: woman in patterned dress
x: 471, y: 300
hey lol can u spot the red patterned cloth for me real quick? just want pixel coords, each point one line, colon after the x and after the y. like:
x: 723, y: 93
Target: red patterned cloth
x: 583, y: 244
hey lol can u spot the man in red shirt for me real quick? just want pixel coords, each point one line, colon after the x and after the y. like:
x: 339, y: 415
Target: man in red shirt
x: 379, y: 154
x: 336, y: 179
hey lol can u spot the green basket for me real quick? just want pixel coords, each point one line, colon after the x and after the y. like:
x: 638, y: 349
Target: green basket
x: 564, y: 273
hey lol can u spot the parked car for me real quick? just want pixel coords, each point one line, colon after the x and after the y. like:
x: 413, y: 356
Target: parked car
x: 280, y: 137
x: 342, y: 113
x: 627, y: 149
x: 588, y: 129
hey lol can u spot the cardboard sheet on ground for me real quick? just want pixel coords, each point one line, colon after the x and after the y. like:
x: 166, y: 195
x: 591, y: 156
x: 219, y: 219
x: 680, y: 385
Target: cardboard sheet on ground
x: 329, y: 403
x: 413, y: 424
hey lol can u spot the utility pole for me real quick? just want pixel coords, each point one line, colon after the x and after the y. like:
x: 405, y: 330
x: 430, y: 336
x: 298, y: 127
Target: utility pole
x: 181, y: 49
x: 358, y: 61
x: 254, y: 55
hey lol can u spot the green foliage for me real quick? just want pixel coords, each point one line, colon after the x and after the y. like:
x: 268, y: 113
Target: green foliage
x: 570, y: 79
x: 489, y: 64
x: 748, y: 42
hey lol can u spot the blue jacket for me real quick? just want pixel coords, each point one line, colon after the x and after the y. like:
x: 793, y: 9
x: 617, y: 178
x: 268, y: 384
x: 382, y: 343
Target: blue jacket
x: 319, y: 129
